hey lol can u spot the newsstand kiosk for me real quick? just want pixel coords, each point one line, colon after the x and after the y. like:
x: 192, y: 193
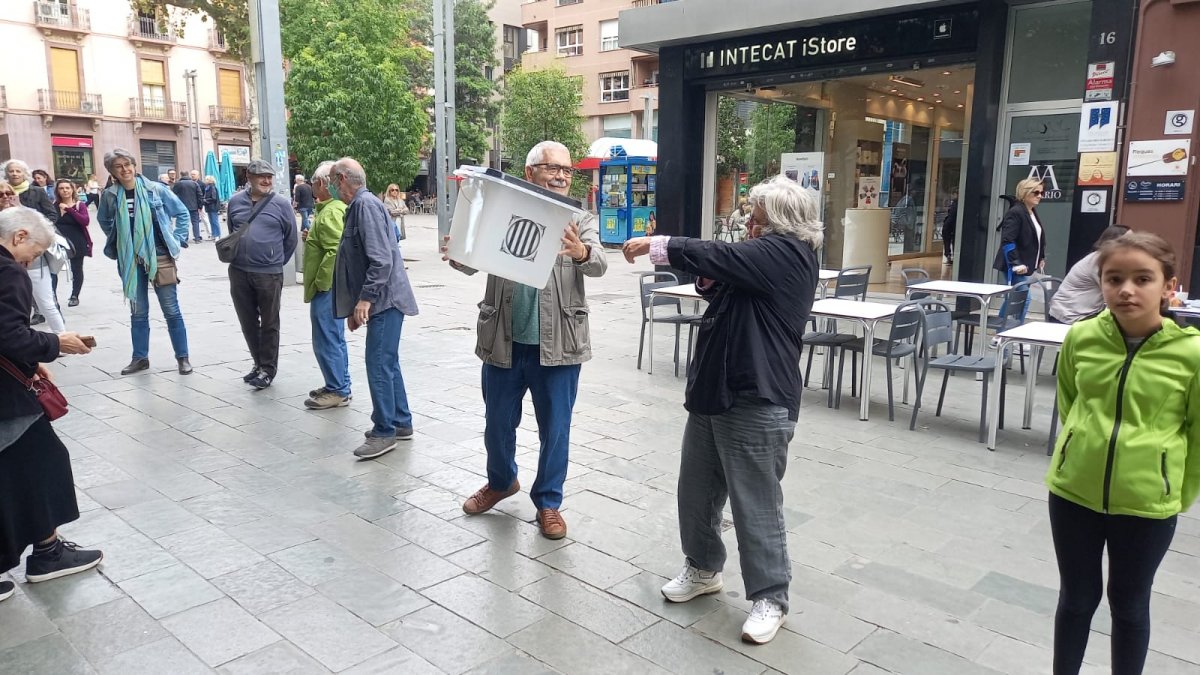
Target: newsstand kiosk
x: 626, y: 197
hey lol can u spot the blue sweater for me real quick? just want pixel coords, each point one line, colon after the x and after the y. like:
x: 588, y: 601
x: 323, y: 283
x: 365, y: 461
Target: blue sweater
x: 267, y: 247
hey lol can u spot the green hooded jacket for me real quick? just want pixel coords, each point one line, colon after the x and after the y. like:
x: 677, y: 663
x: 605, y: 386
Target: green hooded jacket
x: 321, y: 246
x: 1130, y: 420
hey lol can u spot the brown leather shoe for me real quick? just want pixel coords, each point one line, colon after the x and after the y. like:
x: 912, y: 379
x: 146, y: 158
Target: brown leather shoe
x: 485, y: 498
x: 552, y: 524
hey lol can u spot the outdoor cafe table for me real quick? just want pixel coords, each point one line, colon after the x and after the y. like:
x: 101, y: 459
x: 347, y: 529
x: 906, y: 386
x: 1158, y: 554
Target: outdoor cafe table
x: 823, y: 279
x: 1037, y: 334
x: 968, y: 289
x: 681, y: 292
x: 867, y: 314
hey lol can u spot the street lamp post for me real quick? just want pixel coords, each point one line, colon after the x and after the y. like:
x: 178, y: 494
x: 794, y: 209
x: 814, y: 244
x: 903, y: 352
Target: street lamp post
x: 193, y: 116
x: 445, y: 145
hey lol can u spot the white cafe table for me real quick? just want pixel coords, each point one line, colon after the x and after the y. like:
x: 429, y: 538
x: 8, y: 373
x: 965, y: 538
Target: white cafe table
x: 1037, y: 334
x: 823, y: 279
x: 681, y: 292
x: 867, y: 314
x: 968, y: 289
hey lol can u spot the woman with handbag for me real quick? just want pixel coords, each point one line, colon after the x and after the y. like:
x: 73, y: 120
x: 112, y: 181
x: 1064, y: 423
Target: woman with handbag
x: 397, y: 209
x: 146, y: 226
x: 37, y: 494
x: 72, y: 223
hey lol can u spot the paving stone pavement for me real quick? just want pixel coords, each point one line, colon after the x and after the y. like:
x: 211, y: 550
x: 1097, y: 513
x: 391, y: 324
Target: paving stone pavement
x: 241, y: 536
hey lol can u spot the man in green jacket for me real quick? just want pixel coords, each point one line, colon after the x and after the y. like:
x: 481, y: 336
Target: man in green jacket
x: 328, y: 332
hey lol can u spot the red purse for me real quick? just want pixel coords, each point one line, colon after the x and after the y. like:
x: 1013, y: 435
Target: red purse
x: 53, y: 403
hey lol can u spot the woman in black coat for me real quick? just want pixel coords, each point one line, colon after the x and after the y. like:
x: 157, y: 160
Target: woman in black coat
x: 1022, y: 237
x: 32, y: 195
x: 37, y: 493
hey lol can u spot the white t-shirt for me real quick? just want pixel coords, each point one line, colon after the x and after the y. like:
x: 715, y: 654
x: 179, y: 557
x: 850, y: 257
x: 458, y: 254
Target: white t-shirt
x: 1037, y: 228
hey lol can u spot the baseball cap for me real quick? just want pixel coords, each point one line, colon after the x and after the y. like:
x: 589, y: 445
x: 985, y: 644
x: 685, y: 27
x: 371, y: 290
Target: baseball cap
x: 260, y: 167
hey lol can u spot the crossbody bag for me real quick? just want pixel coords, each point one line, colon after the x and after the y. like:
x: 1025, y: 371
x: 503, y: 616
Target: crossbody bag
x: 53, y: 403
x: 227, y: 247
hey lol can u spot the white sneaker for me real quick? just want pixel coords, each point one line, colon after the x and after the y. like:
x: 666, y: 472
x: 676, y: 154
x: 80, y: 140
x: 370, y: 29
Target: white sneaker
x: 690, y: 583
x: 766, y: 616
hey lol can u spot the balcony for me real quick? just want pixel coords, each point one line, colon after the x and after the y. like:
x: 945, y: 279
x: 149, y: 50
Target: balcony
x: 228, y: 116
x: 647, y: 3
x: 145, y: 29
x: 70, y: 102
x: 539, y: 60
x: 153, y: 110
x: 216, y: 42
x: 54, y: 17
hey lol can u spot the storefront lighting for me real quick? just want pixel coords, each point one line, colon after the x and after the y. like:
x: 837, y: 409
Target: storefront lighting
x: 920, y: 98
x: 906, y: 81
x: 945, y: 72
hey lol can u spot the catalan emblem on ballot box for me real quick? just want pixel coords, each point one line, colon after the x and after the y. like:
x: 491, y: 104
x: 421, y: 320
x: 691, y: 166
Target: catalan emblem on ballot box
x: 523, y: 238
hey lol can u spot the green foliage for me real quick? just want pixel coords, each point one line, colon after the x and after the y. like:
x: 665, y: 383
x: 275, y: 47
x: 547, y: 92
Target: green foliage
x: 541, y: 105
x: 231, y: 17
x: 772, y: 133
x: 346, y: 100
x: 475, y: 102
x: 731, y: 138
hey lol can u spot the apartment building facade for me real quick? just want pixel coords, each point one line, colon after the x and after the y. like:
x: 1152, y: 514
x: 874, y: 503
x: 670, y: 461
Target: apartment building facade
x: 94, y: 75
x: 620, y: 86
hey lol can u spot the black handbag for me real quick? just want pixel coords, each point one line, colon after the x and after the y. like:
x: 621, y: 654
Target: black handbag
x: 227, y: 246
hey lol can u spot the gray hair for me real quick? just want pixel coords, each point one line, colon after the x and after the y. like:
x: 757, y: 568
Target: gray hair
x: 20, y: 165
x: 538, y: 152
x: 792, y: 211
x: 115, y: 154
x: 321, y: 173
x: 164, y: 177
x: 210, y: 179
x: 352, y: 171
x: 20, y: 218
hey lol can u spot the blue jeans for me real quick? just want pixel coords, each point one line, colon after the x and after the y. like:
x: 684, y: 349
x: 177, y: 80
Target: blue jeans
x: 553, y: 389
x: 195, y: 225
x: 389, y: 402
x: 329, y: 344
x: 214, y: 224
x: 305, y: 218
x: 139, y: 317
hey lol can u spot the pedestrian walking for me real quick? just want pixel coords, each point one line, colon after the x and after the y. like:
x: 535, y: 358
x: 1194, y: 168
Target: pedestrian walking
x: 256, y: 274
x: 393, y: 199
x: 302, y: 201
x: 72, y: 223
x: 37, y: 494
x: 535, y: 340
x: 328, y: 331
x: 212, y: 206
x: 145, y: 225
x: 1022, y: 236
x: 191, y: 195
x: 1123, y: 466
x: 93, y: 191
x: 743, y: 395
x: 371, y: 288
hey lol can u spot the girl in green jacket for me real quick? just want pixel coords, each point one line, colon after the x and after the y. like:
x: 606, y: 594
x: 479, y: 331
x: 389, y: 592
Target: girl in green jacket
x: 1129, y: 398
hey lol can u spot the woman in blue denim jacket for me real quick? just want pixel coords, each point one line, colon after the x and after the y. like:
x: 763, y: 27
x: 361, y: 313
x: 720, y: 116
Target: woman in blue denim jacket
x: 146, y: 226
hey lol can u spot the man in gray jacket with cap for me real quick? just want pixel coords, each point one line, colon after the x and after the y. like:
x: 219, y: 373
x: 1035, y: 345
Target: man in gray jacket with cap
x: 256, y: 274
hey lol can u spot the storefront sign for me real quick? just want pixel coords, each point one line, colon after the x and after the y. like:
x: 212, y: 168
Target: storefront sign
x: 70, y: 141
x: 238, y: 154
x: 1158, y: 158
x: 1094, y: 201
x: 1179, y: 122
x: 1098, y: 127
x: 1154, y: 190
x: 1018, y: 154
x: 1097, y: 168
x: 1100, y: 78
x: 915, y: 34
x: 1045, y: 173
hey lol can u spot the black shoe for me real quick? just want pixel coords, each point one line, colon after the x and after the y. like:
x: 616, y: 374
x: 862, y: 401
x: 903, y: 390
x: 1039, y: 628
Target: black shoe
x: 250, y: 375
x: 183, y: 244
x: 7, y: 588
x: 36, y: 319
x: 73, y: 302
x: 261, y: 382
x: 63, y: 560
x: 136, y: 365
x: 185, y: 366
x: 197, y: 241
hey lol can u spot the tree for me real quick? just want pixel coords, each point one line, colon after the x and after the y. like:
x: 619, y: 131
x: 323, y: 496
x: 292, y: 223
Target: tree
x: 731, y: 138
x: 344, y: 101
x: 772, y: 133
x: 542, y: 105
x: 231, y: 17
x: 475, y: 102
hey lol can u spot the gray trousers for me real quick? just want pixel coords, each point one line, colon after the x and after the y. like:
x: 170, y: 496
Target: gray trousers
x: 739, y: 455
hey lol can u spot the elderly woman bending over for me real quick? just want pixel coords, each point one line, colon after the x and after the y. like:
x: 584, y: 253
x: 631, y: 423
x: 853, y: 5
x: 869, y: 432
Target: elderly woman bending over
x: 743, y: 394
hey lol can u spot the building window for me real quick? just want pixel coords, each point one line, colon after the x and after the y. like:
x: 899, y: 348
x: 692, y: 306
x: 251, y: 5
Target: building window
x: 614, y: 87
x: 72, y: 157
x: 569, y: 40
x: 511, y: 37
x: 618, y: 126
x: 560, y: 3
x: 608, y: 35
x: 154, y: 87
x: 229, y: 90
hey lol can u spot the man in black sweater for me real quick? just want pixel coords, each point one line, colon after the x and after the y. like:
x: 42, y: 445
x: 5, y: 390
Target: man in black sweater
x: 302, y: 201
x: 192, y: 196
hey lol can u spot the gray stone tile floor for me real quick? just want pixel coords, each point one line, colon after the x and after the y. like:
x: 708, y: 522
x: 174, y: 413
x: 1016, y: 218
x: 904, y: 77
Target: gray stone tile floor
x: 241, y: 536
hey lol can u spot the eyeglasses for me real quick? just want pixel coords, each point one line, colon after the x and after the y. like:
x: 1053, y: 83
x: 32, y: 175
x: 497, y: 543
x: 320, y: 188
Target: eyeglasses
x: 1037, y: 193
x: 8, y: 194
x: 123, y: 165
x: 554, y: 169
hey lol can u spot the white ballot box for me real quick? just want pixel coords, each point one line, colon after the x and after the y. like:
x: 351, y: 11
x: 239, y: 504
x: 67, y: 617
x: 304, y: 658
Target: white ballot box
x: 508, y: 227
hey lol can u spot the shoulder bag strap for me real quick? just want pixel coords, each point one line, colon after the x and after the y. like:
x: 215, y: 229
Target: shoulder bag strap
x: 12, y: 370
x: 258, y: 209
